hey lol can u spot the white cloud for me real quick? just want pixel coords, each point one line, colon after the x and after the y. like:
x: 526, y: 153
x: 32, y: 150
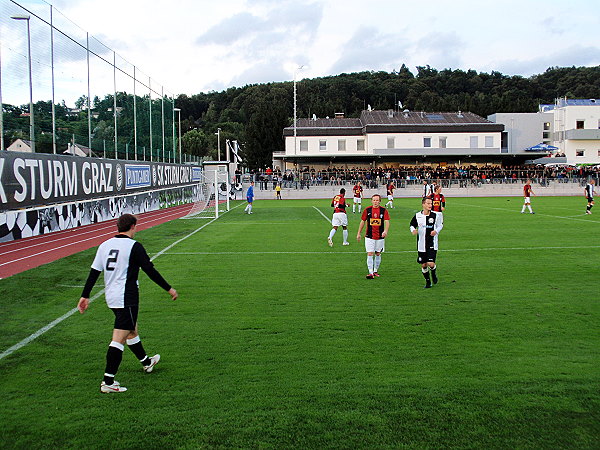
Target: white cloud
x: 200, y: 45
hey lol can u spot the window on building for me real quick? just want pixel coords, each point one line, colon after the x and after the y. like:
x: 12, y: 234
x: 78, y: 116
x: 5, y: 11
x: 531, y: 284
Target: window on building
x: 579, y: 152
x: 599, y: 124
x: 546, y: 125
x: 443, y: 140
x: 391, y: 142
x: 341, y: 145
x: 474, y: 142
x: 426, y: 142
x: 360, y: 145
x: 545, y: 135
x: 489, y: 141
x: 303, y: 146
x: 580, y: 124
x: 598, y: 153
x: 323, y: 146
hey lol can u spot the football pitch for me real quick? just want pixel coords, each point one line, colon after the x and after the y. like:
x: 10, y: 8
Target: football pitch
x: 279, y: 341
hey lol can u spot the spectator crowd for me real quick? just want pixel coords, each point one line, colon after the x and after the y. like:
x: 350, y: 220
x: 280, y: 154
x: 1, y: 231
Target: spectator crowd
x: 402, y: 175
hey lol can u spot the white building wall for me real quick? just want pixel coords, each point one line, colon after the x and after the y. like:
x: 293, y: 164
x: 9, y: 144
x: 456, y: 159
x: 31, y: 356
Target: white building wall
x: 524, y: 129
x: 565, y: 124
x: 379, y: 141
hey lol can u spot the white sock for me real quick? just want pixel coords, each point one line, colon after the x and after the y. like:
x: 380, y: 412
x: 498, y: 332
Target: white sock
x: 377, y: 262
x: 345, y: 234
x: 370, y: 263
x: 353, y: 208
x: 359, y: 207
x: 529, y: 206
x: 523, y: 208
x: 332, y: 233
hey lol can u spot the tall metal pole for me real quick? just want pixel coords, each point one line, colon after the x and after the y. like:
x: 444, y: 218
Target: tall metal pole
x: 295, y: 74
x: 150, y: 109
x: 179, y: 117
x: 1, y: 108
x: 135, y: 116
x: 31, y: 123
x: 52, y: 68
x: 162, y: 113
x: 173, y: 122
x: 219, y: 143
x: 31, y: 126
x: 89, y: 104
x: 115, y: 101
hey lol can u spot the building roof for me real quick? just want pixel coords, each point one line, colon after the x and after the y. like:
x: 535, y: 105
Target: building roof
x: 562, y: 102
x: 394, y: 122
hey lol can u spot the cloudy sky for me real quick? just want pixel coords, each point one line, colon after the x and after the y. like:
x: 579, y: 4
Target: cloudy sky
x: 193, y: 46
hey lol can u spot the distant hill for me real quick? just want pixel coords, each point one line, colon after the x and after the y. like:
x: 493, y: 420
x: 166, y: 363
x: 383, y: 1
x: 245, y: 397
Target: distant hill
x: 255, y: 115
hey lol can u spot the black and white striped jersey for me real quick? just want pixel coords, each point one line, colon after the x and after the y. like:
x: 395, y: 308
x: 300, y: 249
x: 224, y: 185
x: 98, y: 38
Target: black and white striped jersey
x: 425, y: 224
x: 427, y: 190
x: 589, y: 190
x: 120, y: 258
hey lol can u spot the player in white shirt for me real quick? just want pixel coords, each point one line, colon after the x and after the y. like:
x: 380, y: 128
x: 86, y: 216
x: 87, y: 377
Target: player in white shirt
x: 121, y: 258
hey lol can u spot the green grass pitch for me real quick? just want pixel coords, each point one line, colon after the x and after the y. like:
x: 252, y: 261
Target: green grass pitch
x: 278, y: 341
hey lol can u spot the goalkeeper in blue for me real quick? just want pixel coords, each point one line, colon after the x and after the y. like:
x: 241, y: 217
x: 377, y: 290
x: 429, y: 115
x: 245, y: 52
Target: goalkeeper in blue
x: 249, y: 198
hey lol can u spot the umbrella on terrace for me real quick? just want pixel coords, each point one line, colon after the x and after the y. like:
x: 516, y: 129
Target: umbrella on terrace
x: 541, y: 147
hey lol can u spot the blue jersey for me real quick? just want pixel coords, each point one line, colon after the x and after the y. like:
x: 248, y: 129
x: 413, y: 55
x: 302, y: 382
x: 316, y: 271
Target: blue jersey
x: 250, y: 193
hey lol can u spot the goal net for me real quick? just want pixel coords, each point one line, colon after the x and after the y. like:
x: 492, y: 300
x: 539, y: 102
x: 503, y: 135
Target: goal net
x: 211, y: 195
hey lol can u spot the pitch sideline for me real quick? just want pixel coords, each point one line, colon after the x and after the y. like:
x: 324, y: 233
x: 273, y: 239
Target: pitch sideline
x: 55, y: 322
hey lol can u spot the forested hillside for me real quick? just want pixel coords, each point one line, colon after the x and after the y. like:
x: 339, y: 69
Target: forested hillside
x: 256, y: 114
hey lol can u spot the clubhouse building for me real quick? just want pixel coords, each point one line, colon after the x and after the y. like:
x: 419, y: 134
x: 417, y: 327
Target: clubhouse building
x: 402, y: 138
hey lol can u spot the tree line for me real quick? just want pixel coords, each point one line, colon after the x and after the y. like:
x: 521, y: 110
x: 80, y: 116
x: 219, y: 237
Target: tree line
x: 255, y: 115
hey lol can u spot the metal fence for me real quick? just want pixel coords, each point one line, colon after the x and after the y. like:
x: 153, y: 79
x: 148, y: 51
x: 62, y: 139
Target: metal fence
x: 63, y: 90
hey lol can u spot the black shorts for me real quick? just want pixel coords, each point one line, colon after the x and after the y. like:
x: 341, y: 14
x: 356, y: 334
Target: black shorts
x: 427, y: 256
x: 125, y: 318
x: 590, y: 199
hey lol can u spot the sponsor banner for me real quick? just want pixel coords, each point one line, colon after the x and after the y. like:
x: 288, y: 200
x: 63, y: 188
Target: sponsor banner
x: 29, y: 180
x: 34, y: 222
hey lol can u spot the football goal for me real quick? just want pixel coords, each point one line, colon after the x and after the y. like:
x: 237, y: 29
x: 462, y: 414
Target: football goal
x: 211, y: 195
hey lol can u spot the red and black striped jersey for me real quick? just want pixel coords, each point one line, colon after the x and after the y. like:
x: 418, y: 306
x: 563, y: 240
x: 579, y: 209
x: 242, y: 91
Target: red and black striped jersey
x: 339, y: 204
x: 527, y: 190
x: 439, y: 201
x: 357, y: 191
x: 375, y: 219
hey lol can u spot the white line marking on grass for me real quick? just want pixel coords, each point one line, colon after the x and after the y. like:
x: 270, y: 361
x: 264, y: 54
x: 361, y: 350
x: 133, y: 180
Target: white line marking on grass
x: 388, y: 252
x: 42, y: 330
x: 320, y: 212
x: 52, y: 324
x: 537, y: 213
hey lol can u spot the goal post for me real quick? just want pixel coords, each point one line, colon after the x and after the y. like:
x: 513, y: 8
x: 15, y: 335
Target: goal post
x: 211, y: 195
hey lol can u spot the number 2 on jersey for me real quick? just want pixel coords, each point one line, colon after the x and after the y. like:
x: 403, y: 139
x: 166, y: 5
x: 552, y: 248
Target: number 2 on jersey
x: 111, y: 261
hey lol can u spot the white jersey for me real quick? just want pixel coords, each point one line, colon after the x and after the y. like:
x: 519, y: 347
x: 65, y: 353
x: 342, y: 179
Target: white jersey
x: 120, y: 258
x: 425, y: 224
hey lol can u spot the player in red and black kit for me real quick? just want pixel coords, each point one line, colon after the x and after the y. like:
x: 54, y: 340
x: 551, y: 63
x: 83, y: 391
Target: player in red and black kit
x: 527, y: 193
x: 438, y: 199
x: 377, y: 220
x: 390, y: 194
x: 357, y: 190
x: 340, y: 217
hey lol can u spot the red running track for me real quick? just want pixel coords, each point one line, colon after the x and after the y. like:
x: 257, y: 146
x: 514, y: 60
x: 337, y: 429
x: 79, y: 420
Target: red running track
x: 24, y: 254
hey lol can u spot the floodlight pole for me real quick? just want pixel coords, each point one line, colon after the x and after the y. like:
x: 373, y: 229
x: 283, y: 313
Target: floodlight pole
x: 218, y: 133
x: 178, y: 111
x: 295, y: 75
x: 31, y: 122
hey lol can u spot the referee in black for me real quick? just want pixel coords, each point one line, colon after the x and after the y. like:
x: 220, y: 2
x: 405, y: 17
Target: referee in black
x: 120, y: 258
x: 589, y: 195
x: 426, y: 225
